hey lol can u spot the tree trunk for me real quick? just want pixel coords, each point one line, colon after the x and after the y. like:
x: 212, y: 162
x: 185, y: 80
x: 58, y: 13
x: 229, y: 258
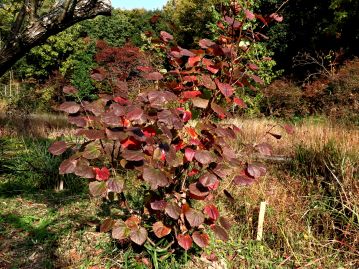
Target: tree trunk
x: 35, y: 30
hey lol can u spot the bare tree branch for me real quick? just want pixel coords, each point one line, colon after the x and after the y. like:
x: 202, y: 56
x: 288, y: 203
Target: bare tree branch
x: 324, y: 64
x: 30, y: 30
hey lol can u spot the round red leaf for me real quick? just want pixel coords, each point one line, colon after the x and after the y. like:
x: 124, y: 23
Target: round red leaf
x: 185, y: 241
x: 201, y: 239
x: 58, y: 148
x: 102, y: 174
x: 211, y: 211
x: 160, y: 229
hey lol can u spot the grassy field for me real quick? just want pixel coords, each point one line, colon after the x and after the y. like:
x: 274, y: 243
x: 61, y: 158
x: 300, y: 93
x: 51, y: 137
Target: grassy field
x: 311, y: 220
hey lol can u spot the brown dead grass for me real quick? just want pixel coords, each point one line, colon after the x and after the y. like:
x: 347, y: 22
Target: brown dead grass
x: 308, y: 134
x: 306, y: 225
x: 34, y: 125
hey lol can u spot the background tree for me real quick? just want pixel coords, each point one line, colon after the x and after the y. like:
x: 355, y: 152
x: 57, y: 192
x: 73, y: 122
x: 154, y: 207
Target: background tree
x: 191, y: 19
x: 34, y: 21
x: 115, y: 30
x: 126, y: 26
x: 56, y: 53
x: 315, y: 27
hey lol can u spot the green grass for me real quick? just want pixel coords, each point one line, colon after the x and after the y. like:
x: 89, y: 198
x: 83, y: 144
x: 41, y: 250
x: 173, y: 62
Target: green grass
x: 34, y: 228
x: 29, y: 166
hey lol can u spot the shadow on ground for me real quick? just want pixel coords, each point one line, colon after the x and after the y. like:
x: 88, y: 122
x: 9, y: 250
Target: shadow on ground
x: 34, y: 226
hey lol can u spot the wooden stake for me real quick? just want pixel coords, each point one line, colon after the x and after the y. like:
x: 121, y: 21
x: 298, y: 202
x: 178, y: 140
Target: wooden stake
x: 262, y: 210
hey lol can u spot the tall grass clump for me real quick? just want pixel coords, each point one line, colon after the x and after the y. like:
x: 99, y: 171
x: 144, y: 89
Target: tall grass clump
x: 331, y: 176
x: 26, y: 164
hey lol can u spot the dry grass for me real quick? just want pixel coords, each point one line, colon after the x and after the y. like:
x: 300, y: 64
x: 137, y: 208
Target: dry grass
x: 3, y: 105
x: 34, y: 125
x: 309, y: 134
x: 312, y: 218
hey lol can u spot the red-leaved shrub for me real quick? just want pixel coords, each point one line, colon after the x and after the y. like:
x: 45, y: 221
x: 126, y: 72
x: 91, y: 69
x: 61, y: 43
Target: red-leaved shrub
x: 170, y: 136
